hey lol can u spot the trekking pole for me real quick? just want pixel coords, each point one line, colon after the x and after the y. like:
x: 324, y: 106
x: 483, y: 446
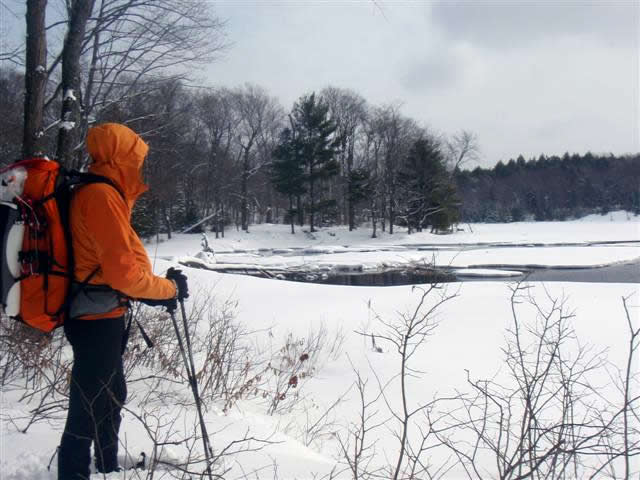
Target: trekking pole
x: 189, y: 365
x: 193, y: 375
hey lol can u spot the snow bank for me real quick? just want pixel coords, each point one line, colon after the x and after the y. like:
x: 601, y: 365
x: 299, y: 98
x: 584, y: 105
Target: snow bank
x: 469, y: 336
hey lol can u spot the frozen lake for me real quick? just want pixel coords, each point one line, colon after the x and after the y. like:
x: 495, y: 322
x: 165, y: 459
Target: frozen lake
x: 608, y: 262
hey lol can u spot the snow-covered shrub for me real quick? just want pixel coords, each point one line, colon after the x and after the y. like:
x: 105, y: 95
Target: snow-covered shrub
x: 559, y: 409
x: 299, y: 359
x: 563, y: 411
x: 219, y: 343
x: 275, y: 375
x: 38, y: 366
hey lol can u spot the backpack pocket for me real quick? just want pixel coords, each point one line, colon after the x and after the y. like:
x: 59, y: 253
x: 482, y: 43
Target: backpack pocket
x: 93, y: 300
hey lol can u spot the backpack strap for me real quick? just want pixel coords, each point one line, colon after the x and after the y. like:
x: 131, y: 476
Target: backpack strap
x: 76, y: 178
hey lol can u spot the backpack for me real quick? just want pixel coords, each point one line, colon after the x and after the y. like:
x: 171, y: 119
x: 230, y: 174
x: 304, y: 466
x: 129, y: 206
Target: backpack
x: 36, y: 268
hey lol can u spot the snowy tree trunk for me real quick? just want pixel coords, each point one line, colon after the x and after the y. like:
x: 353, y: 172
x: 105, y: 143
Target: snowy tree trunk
x: 35, y: 77
x: 69, y: 116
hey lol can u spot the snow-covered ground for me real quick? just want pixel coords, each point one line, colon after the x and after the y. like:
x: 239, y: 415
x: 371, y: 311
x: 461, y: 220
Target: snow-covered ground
x: 615, y: 226
x: 471, y: 331
x: 594, y: 241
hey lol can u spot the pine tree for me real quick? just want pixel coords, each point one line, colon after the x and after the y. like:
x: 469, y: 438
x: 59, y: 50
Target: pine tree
x: 287, y: 172
x: 318, y: 145
x: 429, y: 195
x: 360, y: 188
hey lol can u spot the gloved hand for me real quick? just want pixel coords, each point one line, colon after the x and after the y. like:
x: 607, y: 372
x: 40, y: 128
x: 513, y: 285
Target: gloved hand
x: 180, y: 280
x: 171, y: 304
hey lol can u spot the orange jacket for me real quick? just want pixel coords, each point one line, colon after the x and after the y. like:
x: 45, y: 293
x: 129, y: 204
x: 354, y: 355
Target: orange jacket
x: 100, y: 219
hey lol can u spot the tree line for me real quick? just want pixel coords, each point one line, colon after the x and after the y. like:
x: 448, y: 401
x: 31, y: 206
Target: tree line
x: 550, y: 188
x: 224, y: 157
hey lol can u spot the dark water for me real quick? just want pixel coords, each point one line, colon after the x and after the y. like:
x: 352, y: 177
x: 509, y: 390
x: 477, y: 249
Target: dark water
x: 620, y: 273
x: 377, y: 279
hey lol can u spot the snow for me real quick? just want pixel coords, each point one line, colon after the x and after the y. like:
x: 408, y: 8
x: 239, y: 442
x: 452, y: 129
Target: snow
x: 469, y: 336
x: 582, y: 243
x: 67, y: 125
x: 480, y: 272
x: 69, y: 94
x: 615, y: 226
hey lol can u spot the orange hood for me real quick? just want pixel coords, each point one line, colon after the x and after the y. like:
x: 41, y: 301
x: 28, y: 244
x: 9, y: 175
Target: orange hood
x: 118, y: 154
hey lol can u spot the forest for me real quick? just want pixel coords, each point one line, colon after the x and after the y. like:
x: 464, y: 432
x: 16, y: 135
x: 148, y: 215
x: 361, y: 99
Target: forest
x: 229, y: 157
x: 550, y: 188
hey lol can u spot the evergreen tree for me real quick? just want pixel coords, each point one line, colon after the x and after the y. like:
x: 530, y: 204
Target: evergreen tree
x: 429, y: 196
x: 287, y: 172
x: 143, y: 217
x: 318, y: 145
x: 360, y: 188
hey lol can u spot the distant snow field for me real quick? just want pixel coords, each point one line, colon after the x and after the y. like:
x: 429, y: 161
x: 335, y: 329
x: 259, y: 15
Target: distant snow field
x: 466, y: 344
x: 594, y: 241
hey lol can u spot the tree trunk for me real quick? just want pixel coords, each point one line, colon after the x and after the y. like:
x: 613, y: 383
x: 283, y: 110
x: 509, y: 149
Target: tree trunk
x: 222, y: 219
x: 291, y: 219
x: 392, y: 213
x: 383, y: 217
x: 352, y: 214
x: 167, y: 222
x: 300, y: 212
x: 346, y: 190
x: 35, y: 77
x: 374, y: 220
x: 69, y: 116
x: 87, y: 103
x: 312, y: 205
x: 350, y: 207
x: 244, y: 204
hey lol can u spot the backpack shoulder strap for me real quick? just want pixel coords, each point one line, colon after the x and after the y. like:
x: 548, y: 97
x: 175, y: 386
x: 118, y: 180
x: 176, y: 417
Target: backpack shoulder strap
x: 76, y: 178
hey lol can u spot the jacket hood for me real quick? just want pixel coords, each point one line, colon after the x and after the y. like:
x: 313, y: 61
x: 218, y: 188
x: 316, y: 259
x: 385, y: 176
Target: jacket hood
x: 118, y: 154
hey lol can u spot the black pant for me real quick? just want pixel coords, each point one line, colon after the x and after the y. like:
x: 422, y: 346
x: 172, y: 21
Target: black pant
x: 97, y: 392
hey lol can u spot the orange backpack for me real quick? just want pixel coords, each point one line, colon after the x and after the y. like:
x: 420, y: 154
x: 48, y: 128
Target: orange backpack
x: 37, y: 266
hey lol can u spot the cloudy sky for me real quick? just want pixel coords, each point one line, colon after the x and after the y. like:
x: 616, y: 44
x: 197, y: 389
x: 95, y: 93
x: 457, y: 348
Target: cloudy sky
x: 526, y: 77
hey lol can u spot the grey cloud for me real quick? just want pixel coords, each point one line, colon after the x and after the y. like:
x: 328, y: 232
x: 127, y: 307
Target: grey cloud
x: 504, y: 24
x: 435, y: 72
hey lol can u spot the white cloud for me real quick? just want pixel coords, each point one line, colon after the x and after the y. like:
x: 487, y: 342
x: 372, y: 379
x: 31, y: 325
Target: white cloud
x: 518, y: 23
x: 527, y: 77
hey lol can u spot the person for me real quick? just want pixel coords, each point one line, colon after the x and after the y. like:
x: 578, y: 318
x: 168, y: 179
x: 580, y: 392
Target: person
x: 111, y: 266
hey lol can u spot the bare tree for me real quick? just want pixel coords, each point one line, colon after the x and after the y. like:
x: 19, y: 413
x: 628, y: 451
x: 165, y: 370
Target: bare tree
x: 357, y: 448
x: 462, y: 148
x: 348, y: 110
x: 372, y: 153
x: 127, y: 43
x: 216, y: 124
x: 130, y: 41
x: 257, y: 114
x: 11, y: 51
x: 550, y: 418
x: 12, y: 119
x: 396, y: 133
x: 405, y: 335
x: 35, y: 77
x: 79, y: 13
